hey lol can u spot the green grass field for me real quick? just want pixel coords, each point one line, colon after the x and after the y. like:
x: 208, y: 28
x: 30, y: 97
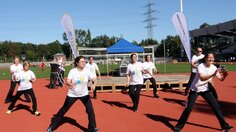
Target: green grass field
x: 170, y: 68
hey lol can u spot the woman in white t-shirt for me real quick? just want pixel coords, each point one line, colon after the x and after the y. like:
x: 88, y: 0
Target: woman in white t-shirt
x: 134, y: 80
x: 149, y: 67
x: 93, y: 68
x: 15, y: 69
x: 77, y: 80
x: 26, y: 78
x: 200, y: 86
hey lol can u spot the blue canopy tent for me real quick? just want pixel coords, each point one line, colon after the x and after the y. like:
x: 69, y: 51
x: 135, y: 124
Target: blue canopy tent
x: 122, y: 47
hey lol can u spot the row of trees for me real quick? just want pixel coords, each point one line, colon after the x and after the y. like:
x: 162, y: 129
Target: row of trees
x: 33, y: 52
x: 9, y: 49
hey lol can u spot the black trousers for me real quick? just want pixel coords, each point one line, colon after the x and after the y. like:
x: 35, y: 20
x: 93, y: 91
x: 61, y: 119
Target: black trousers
x: 11, y: 90
x: 94, y: 91
x: 153, y: 81
x: 208, y: 96
x: 19, y: 93
x: 192, y: 76
x: 134, y: 93
x: 86, y: 100
x: 53, y: 79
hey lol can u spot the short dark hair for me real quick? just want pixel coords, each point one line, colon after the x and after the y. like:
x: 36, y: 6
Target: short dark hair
x: 90, y: 57
x: 131, y: 56
x: 146, y: 57
x: 77, y: 59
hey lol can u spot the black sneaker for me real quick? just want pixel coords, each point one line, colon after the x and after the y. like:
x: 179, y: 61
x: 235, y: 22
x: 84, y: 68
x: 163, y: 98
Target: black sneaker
x: 156, y: 96
x: 226, y: 129
x: 135, y: 109
x: 7, y: 101
x: 95, y: 130
x: 176, y: 129
x: 49, y: 129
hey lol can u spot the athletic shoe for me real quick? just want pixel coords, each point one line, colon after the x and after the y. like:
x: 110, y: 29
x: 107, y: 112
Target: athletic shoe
x: 176, y: 129
x: 49, y: 129
x: 37, y: 113
x: 8, y: 112
x: 156, y: 96
x: 226, y: 129
x: 95, y: 130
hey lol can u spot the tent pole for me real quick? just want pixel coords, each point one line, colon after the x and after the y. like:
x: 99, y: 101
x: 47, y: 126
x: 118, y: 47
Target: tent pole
x: 107, y: 65
x: 153, y: 57
x: 143, y: 57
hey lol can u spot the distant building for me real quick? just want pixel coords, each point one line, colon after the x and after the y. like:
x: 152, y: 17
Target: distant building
x: 59, y: 57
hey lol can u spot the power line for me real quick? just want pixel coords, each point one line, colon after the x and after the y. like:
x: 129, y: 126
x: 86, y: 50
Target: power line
x: 149, y: 19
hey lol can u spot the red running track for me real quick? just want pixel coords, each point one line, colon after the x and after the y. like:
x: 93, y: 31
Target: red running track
x: 113, y: 111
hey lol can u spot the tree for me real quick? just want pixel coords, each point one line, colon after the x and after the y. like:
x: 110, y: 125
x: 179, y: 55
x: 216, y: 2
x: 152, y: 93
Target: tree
x: 172, y: 47
x: 148, y: 42
x: 54, y: 48
x: 66, y: 49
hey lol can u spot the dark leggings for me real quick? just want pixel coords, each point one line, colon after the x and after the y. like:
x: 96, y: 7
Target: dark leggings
x: 134, y: 93
x: 19, y: 93
x: 67, y: 104
x: 192, y: 76
x: 153, y: 81
x: 11, y: 90
x: 211, y: 100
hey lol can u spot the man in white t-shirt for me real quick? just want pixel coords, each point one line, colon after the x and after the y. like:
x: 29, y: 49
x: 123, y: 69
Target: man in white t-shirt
x: 15, y: 69
x: 93, y: 68
x: 78, y: 79
x: 194, y: 64
x: 149, y: 67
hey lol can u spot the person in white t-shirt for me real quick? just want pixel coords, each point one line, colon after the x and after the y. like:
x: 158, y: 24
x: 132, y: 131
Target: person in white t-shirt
x: 134, y: 80
x: 26, y: 78
x: 15, y: 69
x: 93, y: 68
x: 200, y: 86
x: 194, y: 64
x: 77, y: 80
x: 149, y: 67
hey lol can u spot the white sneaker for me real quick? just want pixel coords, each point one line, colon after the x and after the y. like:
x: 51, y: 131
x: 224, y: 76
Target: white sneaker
x: 8, y: 112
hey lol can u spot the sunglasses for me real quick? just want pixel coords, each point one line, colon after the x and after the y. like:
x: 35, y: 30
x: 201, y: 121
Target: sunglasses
x: 199, y: 51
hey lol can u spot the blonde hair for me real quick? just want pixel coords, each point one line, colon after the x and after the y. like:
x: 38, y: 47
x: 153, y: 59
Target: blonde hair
x: 26, y: 63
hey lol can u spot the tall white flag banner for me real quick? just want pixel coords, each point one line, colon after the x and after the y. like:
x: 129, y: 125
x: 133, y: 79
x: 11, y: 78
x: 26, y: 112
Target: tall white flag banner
x: 181, y: 27
x: 70, y: 32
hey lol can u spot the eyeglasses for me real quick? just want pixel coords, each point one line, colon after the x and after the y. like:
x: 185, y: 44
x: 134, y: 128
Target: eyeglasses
x: 82, y: 62
x: 199, y: 51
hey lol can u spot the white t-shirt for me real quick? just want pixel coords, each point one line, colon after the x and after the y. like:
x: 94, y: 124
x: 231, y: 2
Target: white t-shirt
x: 80, y: 78
x: 135, y: 72
x: 92, y: 68
x: 25, y: 77
x: 202, y: 86
x: 16, y: 70
x: 148, y: 66
x: 195, y: 58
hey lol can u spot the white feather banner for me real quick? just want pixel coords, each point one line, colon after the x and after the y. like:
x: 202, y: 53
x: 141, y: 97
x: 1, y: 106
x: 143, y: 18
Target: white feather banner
x: 70, y: 32
x: 181, y: 27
